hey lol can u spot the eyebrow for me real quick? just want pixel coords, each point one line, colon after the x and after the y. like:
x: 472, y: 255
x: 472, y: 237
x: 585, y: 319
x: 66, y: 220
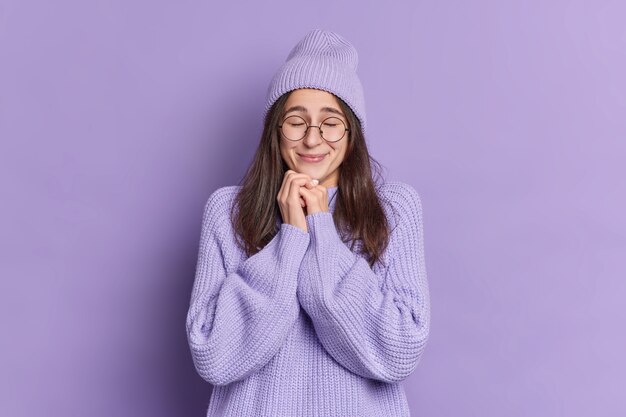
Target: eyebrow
x: 323, y: 109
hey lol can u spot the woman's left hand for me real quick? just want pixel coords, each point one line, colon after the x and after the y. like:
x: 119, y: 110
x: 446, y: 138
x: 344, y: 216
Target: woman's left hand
x: 315, y: 198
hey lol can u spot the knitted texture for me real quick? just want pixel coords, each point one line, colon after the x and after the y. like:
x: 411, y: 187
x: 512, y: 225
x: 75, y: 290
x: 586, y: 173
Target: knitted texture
x: 323, y: 60
x: 305, y: 327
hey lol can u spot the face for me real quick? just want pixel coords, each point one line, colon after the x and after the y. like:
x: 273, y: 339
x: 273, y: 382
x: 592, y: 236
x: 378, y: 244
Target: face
x: 314, y: 106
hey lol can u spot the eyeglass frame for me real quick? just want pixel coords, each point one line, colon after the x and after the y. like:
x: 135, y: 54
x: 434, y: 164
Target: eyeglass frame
x: 280, y: 126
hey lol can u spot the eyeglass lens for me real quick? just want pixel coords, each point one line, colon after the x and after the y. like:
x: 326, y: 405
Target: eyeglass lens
x: 332, y: 129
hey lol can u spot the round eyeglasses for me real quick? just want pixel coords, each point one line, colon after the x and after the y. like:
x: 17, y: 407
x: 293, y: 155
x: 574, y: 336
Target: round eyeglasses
x: 295, y: 128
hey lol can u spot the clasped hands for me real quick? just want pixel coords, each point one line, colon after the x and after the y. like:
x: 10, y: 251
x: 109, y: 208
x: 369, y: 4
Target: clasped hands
x: 299, y: 196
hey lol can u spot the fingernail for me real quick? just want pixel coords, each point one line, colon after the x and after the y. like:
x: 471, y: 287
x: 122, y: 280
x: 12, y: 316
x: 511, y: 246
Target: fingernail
x: 315, y: 182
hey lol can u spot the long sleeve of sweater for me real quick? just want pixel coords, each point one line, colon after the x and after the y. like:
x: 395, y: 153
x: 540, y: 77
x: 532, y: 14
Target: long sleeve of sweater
x: 375, y: 324
x: 238, y: 320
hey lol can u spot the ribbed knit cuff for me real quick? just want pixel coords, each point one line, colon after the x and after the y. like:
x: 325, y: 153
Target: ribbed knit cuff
x: 274, y: 268
x: 293, y: 244
x: 327, y: 242
x: 322, y: 228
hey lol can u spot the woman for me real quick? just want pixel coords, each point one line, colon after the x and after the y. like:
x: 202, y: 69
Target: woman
x: 310, y: 296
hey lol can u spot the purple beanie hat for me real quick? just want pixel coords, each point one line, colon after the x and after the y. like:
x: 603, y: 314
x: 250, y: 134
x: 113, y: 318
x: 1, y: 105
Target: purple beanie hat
x: 323, y: 60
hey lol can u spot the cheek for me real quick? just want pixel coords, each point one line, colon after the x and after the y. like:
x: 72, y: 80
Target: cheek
x: 287, y: 147
x: 288, y: 154
x: 341, y: 153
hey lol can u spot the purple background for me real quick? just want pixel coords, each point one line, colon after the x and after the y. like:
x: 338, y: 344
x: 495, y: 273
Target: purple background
x: 118, y: 119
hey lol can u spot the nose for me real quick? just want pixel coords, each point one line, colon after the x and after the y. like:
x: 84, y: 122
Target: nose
x: 313, y: 139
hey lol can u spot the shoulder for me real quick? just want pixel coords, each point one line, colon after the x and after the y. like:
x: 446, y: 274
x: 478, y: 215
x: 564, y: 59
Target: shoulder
x: 218, y: 205
x: 402, y: 200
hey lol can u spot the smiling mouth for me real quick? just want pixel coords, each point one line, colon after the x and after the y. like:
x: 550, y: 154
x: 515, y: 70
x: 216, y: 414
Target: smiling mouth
x: 312, y: 158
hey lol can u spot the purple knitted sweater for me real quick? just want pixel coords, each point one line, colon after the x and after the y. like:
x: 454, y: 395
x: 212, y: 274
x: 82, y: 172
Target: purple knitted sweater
x: 305, y: 327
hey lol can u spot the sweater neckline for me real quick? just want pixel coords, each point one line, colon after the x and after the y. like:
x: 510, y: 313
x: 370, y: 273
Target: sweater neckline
x: 332, y: 191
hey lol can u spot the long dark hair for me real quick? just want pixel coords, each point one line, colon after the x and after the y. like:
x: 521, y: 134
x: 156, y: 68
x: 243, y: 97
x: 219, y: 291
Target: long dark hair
x: 358, y: 213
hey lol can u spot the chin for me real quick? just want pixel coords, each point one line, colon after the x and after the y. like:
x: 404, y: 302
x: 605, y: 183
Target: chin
x: 314, y: 173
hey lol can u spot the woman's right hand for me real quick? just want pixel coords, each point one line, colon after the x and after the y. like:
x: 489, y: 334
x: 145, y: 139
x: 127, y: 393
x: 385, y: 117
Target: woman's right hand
x: 289, y: 201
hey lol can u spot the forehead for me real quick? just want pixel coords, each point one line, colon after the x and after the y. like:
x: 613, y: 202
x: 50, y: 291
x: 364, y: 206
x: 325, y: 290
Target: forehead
x: 309, y: 100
